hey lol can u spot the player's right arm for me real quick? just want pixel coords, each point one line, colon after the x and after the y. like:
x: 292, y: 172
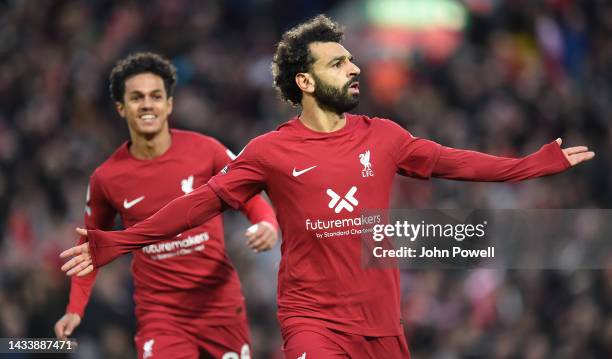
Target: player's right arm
x: 99, y: 213
x: 243, y: 178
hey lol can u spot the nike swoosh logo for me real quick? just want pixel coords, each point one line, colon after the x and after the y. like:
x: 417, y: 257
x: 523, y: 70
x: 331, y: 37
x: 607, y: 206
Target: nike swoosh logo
x: 131, y: 203
x: 297, y: 173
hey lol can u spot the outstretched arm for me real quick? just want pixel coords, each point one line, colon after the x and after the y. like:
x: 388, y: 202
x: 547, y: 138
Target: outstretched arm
x: 475, y: 166
x: 177, y: 216
x: 242, y: 179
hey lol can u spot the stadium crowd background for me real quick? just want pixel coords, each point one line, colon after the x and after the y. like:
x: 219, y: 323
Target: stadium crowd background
x: 517, y: 74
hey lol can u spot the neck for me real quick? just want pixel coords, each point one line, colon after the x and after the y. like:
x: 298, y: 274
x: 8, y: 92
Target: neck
x: 318, y: 119
x: 150, y: 147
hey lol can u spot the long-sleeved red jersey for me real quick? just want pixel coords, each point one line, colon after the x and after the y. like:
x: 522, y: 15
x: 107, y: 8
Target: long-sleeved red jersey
x: 330, y: 178
x: 188, y: 274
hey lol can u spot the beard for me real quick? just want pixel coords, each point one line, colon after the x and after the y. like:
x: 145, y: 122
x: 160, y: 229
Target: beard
x: 337, y: 100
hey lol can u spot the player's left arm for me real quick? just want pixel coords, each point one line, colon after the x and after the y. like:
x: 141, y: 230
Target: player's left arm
x: 476, y: 166
x: 421, y: 158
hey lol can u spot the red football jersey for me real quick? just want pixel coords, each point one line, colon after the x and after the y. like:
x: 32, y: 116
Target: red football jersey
x: 186, y: 275
x: 321, y: 182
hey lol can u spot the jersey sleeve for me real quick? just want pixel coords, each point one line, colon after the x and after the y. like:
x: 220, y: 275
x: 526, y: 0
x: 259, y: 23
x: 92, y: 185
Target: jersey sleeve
x: 242, y: 178
x: 414, y: 157
x: 99, y: 214
x: 221, y: 156
x: 256, y: 209
x: 476, y: 166
x: 175, y: 217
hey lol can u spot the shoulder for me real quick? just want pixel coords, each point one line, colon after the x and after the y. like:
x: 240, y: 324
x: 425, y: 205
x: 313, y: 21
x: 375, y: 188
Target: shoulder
x: 381, y: 125
x: 112, y: 164
x: 266, y: 140
x: 385, y: 124
x: 194, y: 138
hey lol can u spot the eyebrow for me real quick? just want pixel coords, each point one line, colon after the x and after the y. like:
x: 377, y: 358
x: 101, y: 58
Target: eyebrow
x: 341, y: 57
x: 138, y: 92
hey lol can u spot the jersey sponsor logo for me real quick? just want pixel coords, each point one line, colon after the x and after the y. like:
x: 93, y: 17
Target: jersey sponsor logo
x: 179, y: 247
x: 364, y: 158
x: 129, y: 204
x: 187, y: 184
x: 148, y: 348
x: 348, y: 201
x: 297, y: 173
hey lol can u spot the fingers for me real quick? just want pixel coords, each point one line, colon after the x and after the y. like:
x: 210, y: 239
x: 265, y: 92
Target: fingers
x: 59, y: 328
x: 81, y: 231
x: 72, y: 324
x: 71, y: 252
x: 252, y: 231
x: 253, y: 234
x: 80, y: 269
x: 261, y: 246
x: 66, y: 325
x: 257, y: 240
x: 263, y: 239
x: 75, y: 251
x: 580, y: 157
x: 86, y: 271
x: 254, y: 240
x: 263, y: 243
x: 73, y: 262
x: 577, y: 154
x: 577, y: 149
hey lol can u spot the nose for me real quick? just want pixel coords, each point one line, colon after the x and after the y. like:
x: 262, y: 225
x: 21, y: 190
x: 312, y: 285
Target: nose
x: 147, y: 102
x: 354, y: 70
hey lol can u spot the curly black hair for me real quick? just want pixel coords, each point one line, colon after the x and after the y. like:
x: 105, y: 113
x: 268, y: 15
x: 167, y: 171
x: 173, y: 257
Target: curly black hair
x: 293, y: 55
x: 138, y: 63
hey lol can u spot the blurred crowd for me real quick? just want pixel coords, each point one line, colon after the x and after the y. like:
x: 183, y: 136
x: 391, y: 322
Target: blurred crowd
x: 523, y: 73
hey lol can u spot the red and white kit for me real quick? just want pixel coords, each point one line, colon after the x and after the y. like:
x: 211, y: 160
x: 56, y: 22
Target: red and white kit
x: 186, y: 289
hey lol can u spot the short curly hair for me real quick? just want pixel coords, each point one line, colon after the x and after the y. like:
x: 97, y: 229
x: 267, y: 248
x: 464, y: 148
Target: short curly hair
x: 138, y: 63
x: 293, y: 55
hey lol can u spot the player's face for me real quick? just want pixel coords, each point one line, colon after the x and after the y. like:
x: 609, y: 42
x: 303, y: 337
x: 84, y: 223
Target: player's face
x: 146, y: 105
x: 336, y: 77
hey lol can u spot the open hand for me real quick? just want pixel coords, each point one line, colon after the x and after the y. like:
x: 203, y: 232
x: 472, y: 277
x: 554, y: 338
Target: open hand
x: 80, y: 263
x: 576, y: 155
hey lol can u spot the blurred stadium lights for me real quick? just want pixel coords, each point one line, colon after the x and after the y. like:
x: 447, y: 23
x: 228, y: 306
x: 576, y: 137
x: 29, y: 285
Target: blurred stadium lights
x: 433, y: 28
x: 394, y: 34
x: 417, y: 15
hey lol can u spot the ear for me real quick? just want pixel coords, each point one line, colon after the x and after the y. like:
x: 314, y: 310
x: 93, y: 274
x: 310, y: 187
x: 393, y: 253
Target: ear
x: 120, y: 109
x: 305, y: 82
x: 170, y: 104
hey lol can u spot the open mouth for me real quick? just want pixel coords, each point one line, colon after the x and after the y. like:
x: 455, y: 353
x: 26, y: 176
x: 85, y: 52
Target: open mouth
x: 354, y: 86
x: 147, y: 117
